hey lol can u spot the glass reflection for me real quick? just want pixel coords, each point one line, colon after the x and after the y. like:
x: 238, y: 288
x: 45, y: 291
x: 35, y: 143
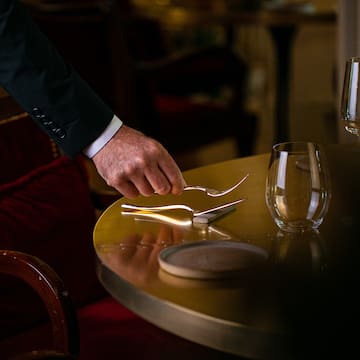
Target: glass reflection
x: 300, y: 252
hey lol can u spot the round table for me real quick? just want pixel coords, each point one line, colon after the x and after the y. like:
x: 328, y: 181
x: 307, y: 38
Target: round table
x: 291, y: 303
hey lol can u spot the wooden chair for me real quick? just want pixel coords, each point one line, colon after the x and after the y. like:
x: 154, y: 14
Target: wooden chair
x: 46, y: 211
x: 51, y: 290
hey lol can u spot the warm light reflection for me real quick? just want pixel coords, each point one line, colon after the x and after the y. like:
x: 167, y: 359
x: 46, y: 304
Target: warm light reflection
x: 202, y: 228
x: 158, y: 217
x: 134, y: 256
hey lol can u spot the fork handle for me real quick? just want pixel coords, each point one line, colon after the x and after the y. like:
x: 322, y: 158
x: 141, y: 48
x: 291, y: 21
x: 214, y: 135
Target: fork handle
x: 156, y: 208
x: 194, y: 187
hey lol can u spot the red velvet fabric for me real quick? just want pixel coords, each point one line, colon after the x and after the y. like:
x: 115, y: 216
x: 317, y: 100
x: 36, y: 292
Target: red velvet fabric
x: 45, y: 210
x: 48, y: 213
x: 23, y: 147
x: 110, y: 331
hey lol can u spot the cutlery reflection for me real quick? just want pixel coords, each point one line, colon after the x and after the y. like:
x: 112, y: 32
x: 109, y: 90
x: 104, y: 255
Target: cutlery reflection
x: 195, y: 213
x: 201, y: 219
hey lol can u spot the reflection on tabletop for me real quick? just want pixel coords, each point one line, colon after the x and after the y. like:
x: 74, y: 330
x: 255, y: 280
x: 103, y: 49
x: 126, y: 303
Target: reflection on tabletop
x: 136, y: 256
x: 305, y: 252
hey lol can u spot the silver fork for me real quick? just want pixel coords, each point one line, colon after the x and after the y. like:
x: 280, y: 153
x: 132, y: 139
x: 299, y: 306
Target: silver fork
x: 214, y: 192
x: 194, y: 212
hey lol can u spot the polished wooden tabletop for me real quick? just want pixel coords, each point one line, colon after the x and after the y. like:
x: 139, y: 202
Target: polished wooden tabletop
x: 300, y: 298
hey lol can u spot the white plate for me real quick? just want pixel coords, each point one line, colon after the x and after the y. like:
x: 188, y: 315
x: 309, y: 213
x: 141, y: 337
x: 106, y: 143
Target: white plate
x: 210, y: 259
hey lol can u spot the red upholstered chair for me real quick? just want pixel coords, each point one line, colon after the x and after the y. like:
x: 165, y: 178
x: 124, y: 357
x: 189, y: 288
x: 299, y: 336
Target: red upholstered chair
x: 46, y: 211
x: 46, y: 253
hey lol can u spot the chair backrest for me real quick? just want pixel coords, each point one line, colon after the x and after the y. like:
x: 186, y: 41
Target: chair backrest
x: 30, y: 149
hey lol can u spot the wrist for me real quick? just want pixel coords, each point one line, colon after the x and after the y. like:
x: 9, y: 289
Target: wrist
x: 91, y: 150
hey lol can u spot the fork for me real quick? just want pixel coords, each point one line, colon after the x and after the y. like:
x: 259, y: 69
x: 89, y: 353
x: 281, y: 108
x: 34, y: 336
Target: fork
x: 214, y: 192
x: 194, y: 212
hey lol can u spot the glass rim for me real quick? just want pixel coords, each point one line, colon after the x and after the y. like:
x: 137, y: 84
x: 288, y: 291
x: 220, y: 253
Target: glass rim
x: 354, y: 59
x: 294, y: 146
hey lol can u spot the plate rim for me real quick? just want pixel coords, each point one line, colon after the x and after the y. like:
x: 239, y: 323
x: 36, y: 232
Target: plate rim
x: 186, y: 272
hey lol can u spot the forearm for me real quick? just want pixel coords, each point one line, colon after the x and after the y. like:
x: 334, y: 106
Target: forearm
x: 33, y: 72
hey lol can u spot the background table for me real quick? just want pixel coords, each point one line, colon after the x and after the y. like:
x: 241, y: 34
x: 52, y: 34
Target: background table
x: 302, y: 300
x: 282, y: 26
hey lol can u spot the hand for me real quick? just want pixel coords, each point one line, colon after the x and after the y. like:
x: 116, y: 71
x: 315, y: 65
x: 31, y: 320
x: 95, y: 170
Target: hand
x: 135, y: 164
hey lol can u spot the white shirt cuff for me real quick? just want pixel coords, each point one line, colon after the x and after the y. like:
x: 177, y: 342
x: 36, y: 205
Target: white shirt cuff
x: 104, y: 137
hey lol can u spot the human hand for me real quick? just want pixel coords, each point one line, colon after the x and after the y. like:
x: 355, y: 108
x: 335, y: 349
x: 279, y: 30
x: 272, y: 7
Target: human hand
x: 135, y: 164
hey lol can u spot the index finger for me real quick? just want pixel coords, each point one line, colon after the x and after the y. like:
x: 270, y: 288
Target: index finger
x: 172, y: 172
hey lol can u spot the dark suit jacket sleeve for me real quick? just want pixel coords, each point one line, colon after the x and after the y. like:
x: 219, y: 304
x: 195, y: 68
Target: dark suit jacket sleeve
x: 35, y: 75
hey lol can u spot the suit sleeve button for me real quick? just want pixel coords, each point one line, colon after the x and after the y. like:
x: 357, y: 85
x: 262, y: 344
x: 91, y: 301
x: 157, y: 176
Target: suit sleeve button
x: 60, y: 133
x: 37, y: 112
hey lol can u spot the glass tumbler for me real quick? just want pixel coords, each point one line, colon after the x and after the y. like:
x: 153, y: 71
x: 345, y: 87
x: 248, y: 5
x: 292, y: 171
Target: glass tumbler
x: 297, y: 186
x: 350, y: 99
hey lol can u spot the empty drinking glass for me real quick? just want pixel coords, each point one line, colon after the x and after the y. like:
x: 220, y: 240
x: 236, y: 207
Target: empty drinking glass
x: 350, y: 99
x: 297, y: 186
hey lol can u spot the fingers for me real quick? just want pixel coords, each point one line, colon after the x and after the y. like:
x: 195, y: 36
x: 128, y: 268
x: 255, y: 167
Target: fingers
x: 165, y: 177
x: 161, y: 171
x: 173, y: 174
x: 128, y: 190
x: 158, y: 180
x: 135, y: 164
x: 153, y: 173
x: 153, y: 181
x: 142, y: 179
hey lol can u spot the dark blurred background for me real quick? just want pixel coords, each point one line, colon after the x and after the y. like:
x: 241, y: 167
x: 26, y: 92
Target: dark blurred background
x: 204, y: 100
